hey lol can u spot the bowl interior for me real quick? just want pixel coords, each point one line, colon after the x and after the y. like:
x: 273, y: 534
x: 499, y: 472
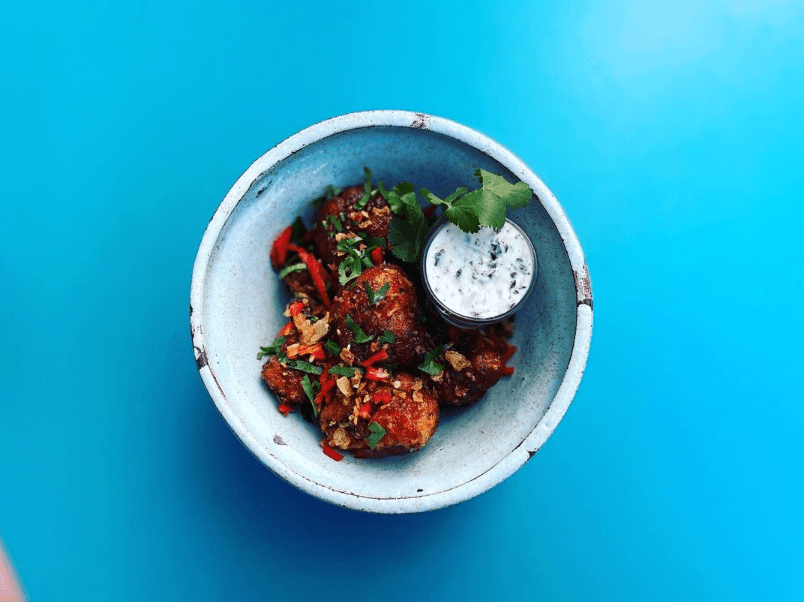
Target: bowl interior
x: 243, y: 303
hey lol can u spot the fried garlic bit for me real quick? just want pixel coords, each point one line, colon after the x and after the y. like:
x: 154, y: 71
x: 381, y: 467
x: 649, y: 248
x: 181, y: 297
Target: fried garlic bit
x: 456, y: 360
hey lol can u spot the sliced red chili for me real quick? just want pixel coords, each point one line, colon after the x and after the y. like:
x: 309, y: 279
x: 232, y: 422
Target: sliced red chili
x: 295, y: 308
x: 382, y: 354
x: 279, y: 250
x: 331, y: 452
x: 285, y: 409
x: 507, y: 370
x: 286, y: 329
x: 380, y: 374
x: 365, y: 410
x: 316, y: 351
x: 377, y: 256
x: 303, y: 253
x: 315, y: 271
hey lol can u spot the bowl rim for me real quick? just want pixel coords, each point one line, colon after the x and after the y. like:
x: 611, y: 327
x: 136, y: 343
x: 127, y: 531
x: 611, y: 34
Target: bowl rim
x: 528, y: 447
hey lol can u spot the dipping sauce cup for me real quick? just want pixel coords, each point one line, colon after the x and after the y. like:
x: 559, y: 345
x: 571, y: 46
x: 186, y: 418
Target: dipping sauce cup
x: 477, y: 279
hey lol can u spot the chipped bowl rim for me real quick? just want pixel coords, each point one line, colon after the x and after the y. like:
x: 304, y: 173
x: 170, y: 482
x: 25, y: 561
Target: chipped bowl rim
x: 583, y: 326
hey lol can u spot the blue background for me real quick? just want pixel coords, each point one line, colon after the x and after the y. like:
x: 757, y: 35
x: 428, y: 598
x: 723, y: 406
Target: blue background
x: 672, y: 134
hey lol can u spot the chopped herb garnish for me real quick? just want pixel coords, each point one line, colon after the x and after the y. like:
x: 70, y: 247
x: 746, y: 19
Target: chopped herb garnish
x: 429, y: 365
x: 408, y: 226
x: 342, y: 371
x: 336, y: 222
x: 377, y: 433
x: 360, y: 336
x: 272, y: 349
x: 386, y: 337
x: 332, y: 347
x: 300, y: 365
x: 296, y: 267
x: 468, y: 210
x: 375, y: 297
x: 366, y: 190
x: 310, y: 389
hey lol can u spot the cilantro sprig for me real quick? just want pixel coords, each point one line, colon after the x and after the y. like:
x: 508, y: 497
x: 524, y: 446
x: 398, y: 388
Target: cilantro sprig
x: 429, y: 365
x: 470, y: 211
x: 357, y: 250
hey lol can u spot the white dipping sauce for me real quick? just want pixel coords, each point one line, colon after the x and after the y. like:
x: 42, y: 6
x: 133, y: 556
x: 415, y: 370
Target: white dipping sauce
x: 481, y: 275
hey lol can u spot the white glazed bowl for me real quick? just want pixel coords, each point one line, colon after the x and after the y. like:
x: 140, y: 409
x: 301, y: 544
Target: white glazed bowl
x: 237, y: 304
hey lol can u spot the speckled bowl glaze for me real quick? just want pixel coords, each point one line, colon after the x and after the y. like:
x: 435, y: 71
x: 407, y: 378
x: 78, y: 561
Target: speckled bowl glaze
x: 237, y: 304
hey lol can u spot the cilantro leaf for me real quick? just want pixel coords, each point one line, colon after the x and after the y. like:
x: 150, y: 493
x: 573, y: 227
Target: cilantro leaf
x: 296, y: 267
x: 300, y: 365
x: 386, y: 337
x: 309, y: 387
x: 429, y: 365
x: 272, y: 349
x: 463, y: 217
x: 407, y: 235
x: 377, y: 433
x: 515, y: 196
x: 360, y: 336
x: 375, y: 297
x: 342, y: 371
x: 332, y: 347
x: 336, y: 222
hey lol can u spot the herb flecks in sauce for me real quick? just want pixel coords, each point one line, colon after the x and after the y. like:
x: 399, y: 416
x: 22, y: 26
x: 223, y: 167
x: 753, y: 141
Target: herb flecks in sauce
x: 489, y: 271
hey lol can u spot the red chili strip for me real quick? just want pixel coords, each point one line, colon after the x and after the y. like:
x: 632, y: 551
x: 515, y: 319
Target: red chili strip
x: 286, y: 329
x: 365, y: 410
x: 331, y: 452
x: 315, y: 271
x: 285, y: 409
x: 380, y: 374
x: 382, y: 354
x: 295, y: 308
x: 279, y: 250
x: 507, y: 370
x: 316, y: 351
x: 303, y: 253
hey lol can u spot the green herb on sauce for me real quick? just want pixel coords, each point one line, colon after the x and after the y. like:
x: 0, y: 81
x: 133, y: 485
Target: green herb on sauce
x: 360, y: 336
x: 377, y: 433
x: 272, y: 349
x: 429, y: 365
x: 375, y: 297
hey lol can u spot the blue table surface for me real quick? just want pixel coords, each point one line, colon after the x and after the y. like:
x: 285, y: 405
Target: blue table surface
x: 672, y: 134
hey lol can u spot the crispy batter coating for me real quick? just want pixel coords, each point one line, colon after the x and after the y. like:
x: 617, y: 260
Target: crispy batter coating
x: 310, y: 325
x: 371, y: 221
x: 395, y: 312
x: 406, y: 408
x: 475, y: 364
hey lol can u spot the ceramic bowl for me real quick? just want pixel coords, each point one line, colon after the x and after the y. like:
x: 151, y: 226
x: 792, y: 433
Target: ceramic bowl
x: 237, y: 304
